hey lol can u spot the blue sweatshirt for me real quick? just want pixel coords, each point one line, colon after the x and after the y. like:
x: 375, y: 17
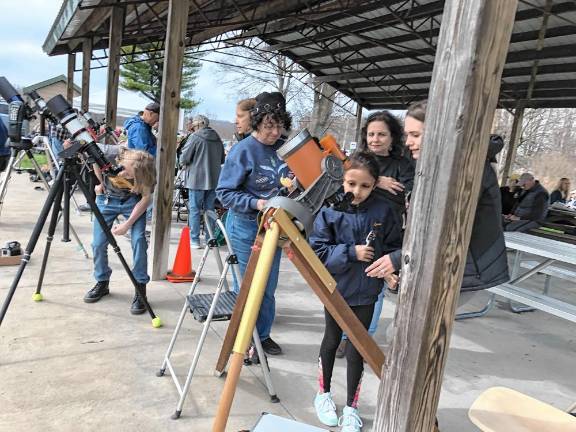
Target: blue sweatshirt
x: 4, y: 145
x: 252, y: 171
x: 140, y: 135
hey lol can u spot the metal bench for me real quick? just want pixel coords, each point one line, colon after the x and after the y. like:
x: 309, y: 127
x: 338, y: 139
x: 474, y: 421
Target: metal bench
x: 537, y: 301
x: 551, y: 271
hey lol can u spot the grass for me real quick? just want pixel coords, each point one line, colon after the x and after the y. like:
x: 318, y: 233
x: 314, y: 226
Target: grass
x: 27, y: 163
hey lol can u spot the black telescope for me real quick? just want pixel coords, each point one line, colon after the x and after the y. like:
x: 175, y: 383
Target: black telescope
x: 66, y: 115
x: 8, y: 92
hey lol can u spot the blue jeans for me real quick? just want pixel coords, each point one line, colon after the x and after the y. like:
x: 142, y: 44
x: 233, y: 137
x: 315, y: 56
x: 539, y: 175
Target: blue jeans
x: 375, y: 316
x: 242, y: 233
x: 57, y: 146
x: 110, y: 210
x: 198, y: 201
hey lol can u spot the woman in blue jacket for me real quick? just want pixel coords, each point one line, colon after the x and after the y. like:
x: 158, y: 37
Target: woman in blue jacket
x: 340, y: 239
x: 250, y: 176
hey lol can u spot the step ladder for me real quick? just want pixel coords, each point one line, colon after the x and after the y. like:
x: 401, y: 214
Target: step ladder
x: 206, y: 308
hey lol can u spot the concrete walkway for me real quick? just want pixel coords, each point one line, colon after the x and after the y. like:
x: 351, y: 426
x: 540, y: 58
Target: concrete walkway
x: 70, y: 366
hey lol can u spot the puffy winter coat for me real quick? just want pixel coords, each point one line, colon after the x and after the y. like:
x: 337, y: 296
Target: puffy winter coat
x: 336, y: 233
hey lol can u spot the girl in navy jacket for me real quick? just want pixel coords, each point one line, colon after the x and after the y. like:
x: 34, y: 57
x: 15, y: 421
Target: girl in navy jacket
x: 340, y: 241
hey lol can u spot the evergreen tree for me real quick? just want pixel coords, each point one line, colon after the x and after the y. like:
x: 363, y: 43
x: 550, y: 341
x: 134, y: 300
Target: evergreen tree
x: 143, y: 70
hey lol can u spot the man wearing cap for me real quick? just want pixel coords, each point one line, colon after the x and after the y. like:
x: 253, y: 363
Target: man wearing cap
x: 533, y: 201
x: 201, y: 157
x: 139, y: 129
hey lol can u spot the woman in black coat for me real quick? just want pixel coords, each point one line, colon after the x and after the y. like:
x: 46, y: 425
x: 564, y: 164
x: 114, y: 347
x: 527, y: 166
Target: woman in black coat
x: 486, y: 263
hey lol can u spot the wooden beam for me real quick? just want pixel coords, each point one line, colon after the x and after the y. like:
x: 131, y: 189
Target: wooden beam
x: 166, y: 154
x: 86, y: 58
x: 472, y: 46
x: 70, y: 78
x: 515, y: 135
x: 114, y: 45
x: 358, y: 124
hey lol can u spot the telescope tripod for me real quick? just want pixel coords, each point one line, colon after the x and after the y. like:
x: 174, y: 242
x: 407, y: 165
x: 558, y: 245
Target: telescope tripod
x: 279, y: 229
x: 68, y: 174
x: 16, y: 155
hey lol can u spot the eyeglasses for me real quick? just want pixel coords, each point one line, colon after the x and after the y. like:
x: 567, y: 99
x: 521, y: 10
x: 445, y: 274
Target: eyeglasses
x: 272, y: 126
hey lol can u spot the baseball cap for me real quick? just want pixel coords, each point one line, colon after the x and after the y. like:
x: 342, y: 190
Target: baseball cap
x: 154, y: 107
x: 268, y: 102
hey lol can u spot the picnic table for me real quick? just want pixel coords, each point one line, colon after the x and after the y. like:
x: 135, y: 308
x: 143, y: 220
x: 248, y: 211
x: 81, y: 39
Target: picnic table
x: 550, y: 253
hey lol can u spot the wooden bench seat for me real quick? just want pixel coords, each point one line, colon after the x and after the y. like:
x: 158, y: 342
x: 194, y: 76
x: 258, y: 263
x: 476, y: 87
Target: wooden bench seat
x: 500, y: 409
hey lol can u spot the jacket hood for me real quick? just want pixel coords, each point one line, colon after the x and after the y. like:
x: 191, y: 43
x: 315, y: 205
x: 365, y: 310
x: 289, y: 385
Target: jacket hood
x: 208, y: 134
x: 132, y: 120
x: 495, y: 146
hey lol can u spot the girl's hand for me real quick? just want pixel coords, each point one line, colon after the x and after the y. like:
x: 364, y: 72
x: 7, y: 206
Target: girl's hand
x: 381, y: 268
x: 364, y: 253
x: 390, y: 184
x: 120, y: 229
x: 99, y: 189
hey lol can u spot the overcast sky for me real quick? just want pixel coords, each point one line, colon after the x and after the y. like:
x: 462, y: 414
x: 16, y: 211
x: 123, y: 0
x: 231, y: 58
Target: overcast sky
x: 25, y: 25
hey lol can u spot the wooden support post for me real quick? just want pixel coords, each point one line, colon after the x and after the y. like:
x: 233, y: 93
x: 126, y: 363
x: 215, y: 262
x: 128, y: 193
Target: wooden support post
x: 471, y: 52
x: 358, y: 125
x: 515, y: 135
x: 86, y: 58
x: 70, y: 78
x: 114, y: 45
x: 166, y: 155
x: 516, y: 132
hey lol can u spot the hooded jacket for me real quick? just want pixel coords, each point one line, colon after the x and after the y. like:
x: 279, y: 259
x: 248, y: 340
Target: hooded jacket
x: 140, y: 135
x: 532, y: 204
x: 202, y: 156
x: 486, y: 262
x: 336, y: 233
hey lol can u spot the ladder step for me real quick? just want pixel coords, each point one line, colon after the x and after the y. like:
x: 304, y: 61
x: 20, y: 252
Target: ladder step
x: 199, y: 305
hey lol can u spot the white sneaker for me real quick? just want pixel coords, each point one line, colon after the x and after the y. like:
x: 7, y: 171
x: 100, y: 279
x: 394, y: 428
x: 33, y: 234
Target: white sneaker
x: 195, y: 245
x: 350, y: 420
x: 326, y: 409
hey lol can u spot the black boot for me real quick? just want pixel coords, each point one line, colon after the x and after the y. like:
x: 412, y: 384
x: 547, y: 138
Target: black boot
x: 138, y: 307
x: 97, y: 292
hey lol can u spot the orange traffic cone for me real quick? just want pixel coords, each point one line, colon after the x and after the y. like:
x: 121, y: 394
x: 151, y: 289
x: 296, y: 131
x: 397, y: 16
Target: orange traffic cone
x: 182, y: 269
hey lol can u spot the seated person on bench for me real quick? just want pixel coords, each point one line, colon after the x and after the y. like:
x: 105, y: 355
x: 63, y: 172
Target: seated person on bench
x: 532, y: 205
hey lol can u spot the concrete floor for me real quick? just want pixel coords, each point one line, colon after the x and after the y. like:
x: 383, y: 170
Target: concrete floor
x: 70, y: 366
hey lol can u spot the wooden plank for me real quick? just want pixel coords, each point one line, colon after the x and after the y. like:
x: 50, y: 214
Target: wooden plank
x: 358, y: 125
x: 166, y: 154
x: 70, y: 78
x: 114, y: 45
x: 515, y: 134
x: 472, y: 46
x: 232, y: 330
x: 340, y: 311
x: 86, y: 57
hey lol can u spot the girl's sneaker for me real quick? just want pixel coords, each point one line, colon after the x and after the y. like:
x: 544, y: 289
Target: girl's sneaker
x: 350, y: 420
x: 326, y: 409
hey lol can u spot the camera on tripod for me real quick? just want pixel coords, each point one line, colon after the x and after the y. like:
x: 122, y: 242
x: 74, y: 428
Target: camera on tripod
x: 18, y: 111
x: 82, y: 139
x: 12, y: 248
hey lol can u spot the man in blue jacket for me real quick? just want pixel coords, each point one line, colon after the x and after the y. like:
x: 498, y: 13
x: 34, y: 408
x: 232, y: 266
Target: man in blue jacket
x: 139, y: 129
x: 4, y: 147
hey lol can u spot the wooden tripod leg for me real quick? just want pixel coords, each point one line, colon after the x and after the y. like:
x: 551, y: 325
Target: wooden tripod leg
x: 232, y: 330
x: 340, y: 311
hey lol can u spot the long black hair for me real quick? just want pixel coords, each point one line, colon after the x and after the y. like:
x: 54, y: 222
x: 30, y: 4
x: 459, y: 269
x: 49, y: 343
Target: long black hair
x: 396, y: 132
